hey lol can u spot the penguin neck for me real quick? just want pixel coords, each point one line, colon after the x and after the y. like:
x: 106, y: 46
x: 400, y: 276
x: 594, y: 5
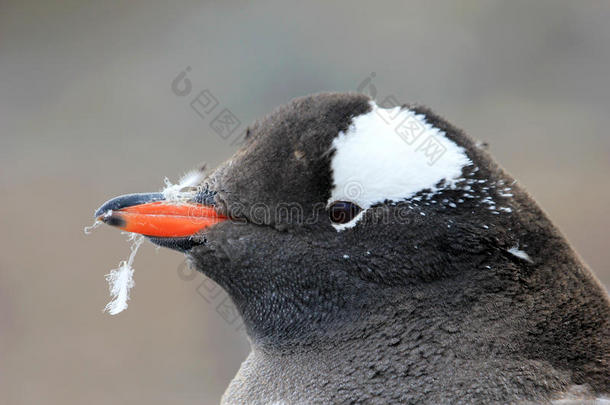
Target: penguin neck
x: 461, y: 309
x: 493, y: 322
x: 455, y: 331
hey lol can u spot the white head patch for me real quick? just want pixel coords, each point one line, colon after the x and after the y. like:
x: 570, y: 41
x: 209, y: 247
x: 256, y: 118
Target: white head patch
x: 391, y: 154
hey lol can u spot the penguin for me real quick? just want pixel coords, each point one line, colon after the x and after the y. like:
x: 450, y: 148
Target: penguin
x: 380, y: 255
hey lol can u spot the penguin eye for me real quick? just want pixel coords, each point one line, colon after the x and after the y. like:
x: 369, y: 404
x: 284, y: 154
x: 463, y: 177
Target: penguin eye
x: 342, y: 212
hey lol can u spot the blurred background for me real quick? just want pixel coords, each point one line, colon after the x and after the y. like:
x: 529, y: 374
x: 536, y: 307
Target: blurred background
x: 88, y: 112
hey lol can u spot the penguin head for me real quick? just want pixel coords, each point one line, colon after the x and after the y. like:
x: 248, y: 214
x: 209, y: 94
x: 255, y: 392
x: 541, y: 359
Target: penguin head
x: 333, y: 202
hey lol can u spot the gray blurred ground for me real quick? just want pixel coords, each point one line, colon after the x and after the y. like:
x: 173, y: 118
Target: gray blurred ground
x: 87, y: 112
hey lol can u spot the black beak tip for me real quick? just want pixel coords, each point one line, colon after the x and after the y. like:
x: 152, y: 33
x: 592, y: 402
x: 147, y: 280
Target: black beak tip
x: 112, y: 220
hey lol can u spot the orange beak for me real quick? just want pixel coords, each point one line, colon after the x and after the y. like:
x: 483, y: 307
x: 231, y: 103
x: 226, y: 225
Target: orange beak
x: 150, y: 215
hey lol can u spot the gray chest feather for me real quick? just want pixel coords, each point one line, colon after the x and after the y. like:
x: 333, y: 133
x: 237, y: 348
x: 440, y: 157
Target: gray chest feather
x: 425, y: 373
